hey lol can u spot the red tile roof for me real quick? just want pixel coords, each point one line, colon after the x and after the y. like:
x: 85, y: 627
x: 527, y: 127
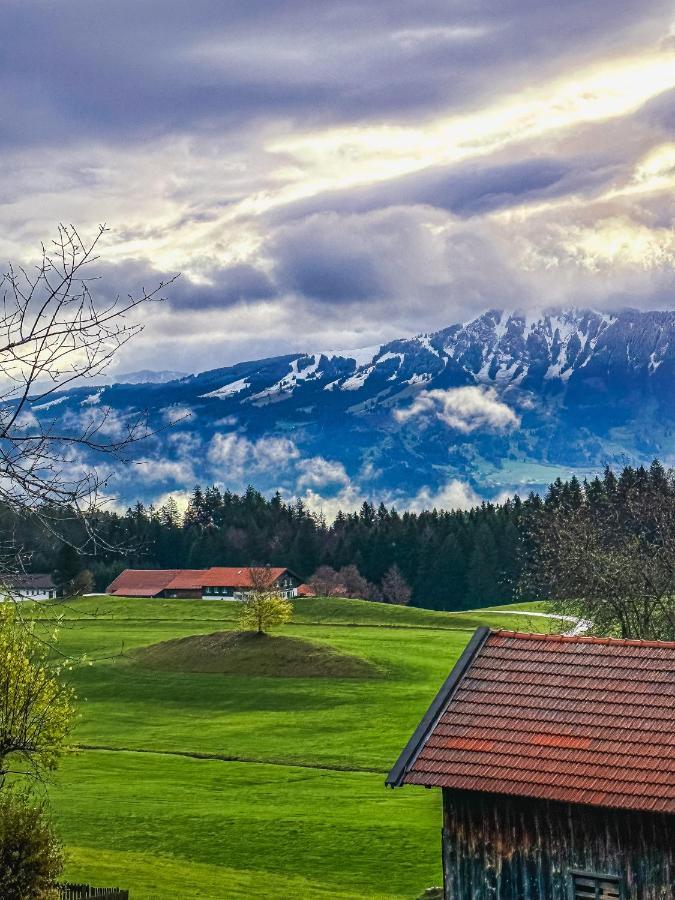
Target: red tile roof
x: 141, y: 582
x: 187, y: 580
x: 576, y: 719
x: 151, y: 582
x: 238, y: 577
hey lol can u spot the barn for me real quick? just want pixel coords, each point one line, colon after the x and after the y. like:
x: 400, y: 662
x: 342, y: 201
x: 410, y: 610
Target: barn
x: 215, y: 583
x: 555, y: 756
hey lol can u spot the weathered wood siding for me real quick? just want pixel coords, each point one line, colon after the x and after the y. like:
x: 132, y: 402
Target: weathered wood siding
x: 500, y: 848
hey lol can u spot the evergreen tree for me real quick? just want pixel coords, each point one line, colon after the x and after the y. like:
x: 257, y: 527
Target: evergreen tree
x: 67, y: 569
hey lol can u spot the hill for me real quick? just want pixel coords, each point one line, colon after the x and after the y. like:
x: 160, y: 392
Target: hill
x: 249, y: 653
x: 500, y: 402
x: 215, y: 785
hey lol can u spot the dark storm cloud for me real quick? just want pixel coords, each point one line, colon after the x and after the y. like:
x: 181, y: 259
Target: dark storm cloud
x: 660, y: 112
x: 388, y: 256
x: 194, y: 128
x: 223, y: 287
x: 229, y: 285
x: 470, y: 189
x: 323, y: 260
x: 136, y: 70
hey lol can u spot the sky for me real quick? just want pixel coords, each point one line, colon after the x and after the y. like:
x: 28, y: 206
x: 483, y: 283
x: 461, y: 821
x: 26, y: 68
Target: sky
x: 336, y: 175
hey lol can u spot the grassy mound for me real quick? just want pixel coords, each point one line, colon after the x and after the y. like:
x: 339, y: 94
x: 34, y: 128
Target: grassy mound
x: 247, y: 653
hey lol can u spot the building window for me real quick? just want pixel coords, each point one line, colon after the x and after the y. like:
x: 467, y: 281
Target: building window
x: 589, y: 886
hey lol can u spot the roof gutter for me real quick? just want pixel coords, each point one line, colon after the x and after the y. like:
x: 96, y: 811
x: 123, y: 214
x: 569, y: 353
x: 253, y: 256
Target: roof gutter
x: 438, y: 704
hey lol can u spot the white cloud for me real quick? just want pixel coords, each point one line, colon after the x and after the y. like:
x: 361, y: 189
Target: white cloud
x: 178, y: 412
x: 466, y: 409
x: 318, y: 472
x: 347, y: 499
x: 159, y: 470
x: 181, y: 498
x: 233, y: 456
x: 104, y: 422
x: 453, y: 495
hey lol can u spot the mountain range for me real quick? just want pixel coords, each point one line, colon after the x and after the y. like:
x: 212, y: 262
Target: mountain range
x: 501, y: 404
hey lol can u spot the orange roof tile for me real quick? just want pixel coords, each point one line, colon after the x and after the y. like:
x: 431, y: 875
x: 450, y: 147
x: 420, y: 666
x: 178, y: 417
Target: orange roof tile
x: 238, y: 577
x: 577, y: 719
x: 187, y: 580
x: 141, y: 582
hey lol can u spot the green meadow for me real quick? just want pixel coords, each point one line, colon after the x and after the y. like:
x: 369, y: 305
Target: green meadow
x: 215, y: 784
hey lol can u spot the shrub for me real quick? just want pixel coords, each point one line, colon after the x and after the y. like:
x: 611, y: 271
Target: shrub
x: 31, y: 857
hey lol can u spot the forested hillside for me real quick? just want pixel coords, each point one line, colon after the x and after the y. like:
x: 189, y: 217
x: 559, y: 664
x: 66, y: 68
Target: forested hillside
x: 451, y: 560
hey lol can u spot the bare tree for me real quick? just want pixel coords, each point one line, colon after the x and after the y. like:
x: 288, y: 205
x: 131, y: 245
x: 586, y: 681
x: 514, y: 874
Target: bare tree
x: 355, y: 585
x: 55, y: 333
x: 610, y: 560
x: 395, y: 588
x: 325, y: 582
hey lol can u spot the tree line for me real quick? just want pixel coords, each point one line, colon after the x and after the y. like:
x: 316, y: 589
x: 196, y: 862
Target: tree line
x: 448, y: 559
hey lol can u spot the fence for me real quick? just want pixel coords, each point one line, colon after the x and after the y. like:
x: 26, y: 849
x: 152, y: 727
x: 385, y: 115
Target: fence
x: 85, y: 891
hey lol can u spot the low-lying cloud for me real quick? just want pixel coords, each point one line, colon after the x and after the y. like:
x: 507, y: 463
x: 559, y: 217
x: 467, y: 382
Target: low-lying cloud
x: 235, y: 457
x: 466, y: 409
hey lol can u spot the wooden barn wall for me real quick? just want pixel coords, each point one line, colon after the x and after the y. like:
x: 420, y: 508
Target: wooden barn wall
x: 499, y: 848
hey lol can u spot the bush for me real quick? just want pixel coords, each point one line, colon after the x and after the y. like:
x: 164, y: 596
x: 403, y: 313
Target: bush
x: 31, y: 857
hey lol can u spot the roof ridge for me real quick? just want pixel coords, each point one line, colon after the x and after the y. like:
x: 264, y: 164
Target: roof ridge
x: 580, y: 639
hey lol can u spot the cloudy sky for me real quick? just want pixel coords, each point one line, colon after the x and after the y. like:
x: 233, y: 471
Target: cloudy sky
x: 333, y: 175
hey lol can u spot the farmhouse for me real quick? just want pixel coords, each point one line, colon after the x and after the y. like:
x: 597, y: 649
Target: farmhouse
x: 30, y: 587
x: 216, y: 583
x: 556, y: 758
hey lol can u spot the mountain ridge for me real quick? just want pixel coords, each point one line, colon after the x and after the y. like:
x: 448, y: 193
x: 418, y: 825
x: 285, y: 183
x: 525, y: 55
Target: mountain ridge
x: 501, y: 403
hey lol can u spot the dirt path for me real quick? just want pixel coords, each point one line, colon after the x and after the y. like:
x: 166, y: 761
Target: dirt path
x: 580, y: 625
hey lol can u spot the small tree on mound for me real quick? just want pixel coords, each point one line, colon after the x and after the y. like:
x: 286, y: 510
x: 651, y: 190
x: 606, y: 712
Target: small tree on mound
x: 264, y: 607
x: 263, y: 611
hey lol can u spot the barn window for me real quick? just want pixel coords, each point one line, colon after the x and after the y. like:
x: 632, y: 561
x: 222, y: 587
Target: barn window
x: 589, y: 886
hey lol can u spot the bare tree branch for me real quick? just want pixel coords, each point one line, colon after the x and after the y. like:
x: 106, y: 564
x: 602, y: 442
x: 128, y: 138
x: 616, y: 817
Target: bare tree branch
x: 56, y: 333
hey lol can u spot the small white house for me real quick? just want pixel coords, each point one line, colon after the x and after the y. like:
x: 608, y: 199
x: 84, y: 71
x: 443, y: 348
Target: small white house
x: 30, y: 587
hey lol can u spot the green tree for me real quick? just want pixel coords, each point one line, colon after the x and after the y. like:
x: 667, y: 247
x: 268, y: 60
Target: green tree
x: 36, y: 705
x: 263, y: 607
x: 263, y: 610
x: 482, y: 573
x: 68, y: 567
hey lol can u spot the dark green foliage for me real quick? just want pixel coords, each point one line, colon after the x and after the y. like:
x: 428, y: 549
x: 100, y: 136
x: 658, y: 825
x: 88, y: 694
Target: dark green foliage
x: 450, y: 560
x: 67, y: 568
x: 30, y: 854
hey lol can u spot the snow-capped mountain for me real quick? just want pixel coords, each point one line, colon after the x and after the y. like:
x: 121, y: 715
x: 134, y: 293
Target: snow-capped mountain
x: 505, y: 402
x: 146, y: 376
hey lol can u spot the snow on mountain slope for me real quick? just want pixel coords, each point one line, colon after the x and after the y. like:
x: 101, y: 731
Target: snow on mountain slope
x: 576, y: 388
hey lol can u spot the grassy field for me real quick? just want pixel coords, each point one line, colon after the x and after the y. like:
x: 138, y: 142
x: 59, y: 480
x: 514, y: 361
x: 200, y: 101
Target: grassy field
x: 218, y: 785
